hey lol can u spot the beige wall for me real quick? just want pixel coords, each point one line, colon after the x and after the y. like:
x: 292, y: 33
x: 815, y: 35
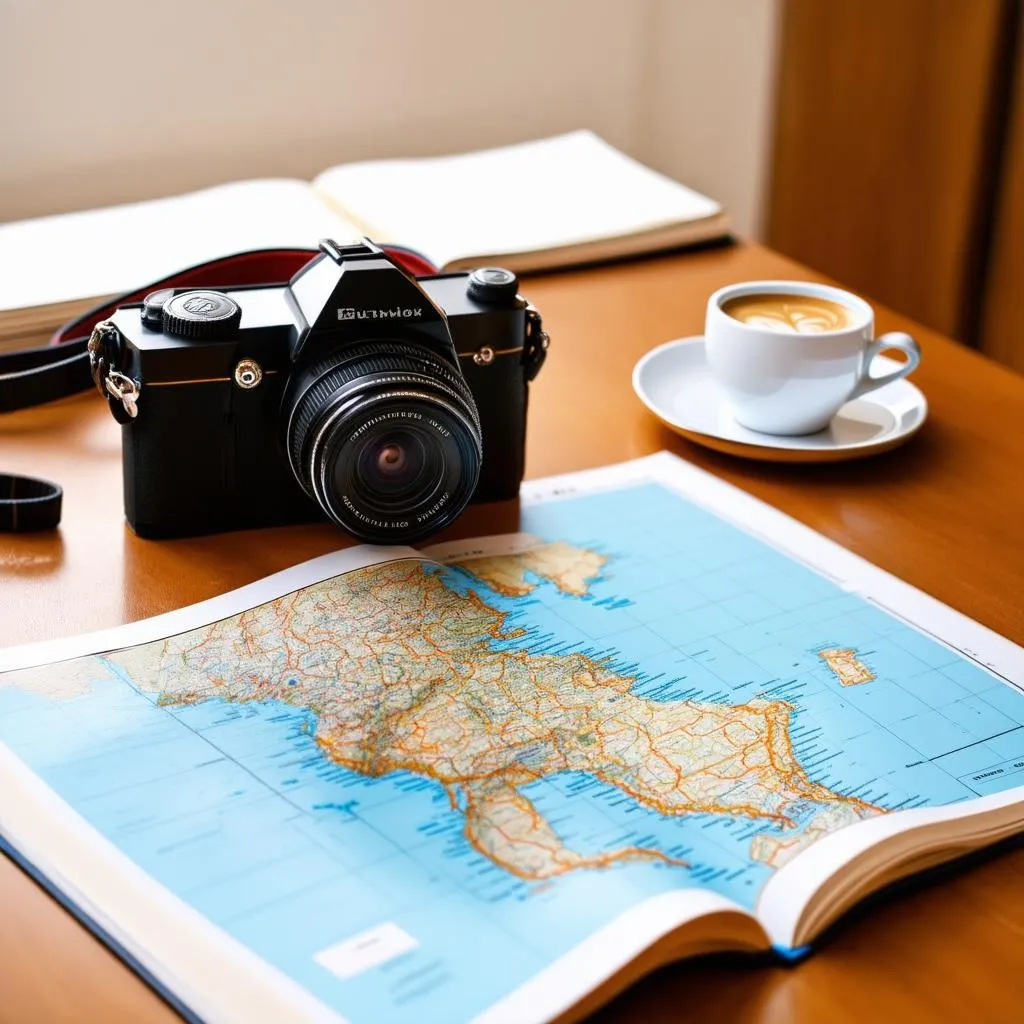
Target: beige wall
x: 710, y: 90
x: 116, y: 100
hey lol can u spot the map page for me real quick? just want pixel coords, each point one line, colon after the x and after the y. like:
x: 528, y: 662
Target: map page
x: 412, y: 787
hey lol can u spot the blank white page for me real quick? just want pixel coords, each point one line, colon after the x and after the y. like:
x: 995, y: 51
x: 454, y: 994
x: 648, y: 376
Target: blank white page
x: 546, y: 194
x: 119, y: 248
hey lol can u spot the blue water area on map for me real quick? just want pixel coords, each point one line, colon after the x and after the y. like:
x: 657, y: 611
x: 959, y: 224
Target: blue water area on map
x: 235, y: 808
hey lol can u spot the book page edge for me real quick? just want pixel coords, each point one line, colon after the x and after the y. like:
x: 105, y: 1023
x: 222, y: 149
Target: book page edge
x: 788, y: 894
x: 595, y: 962
x: 665, y: 237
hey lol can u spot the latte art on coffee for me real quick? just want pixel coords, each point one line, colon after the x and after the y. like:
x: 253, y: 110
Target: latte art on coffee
x: 790, y: 314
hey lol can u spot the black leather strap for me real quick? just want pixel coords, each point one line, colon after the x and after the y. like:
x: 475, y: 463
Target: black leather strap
x: 37, y: 375
x: 32, y: 377
x: 28, y: 504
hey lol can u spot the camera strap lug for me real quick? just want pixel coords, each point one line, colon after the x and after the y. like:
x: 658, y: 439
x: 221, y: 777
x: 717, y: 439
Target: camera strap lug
x: 535, y: 348
x: 121, y: 391
x: 125, y: 390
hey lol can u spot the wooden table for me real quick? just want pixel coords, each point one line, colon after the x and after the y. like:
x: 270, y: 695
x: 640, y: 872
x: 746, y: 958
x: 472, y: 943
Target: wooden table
x: 944, y: 513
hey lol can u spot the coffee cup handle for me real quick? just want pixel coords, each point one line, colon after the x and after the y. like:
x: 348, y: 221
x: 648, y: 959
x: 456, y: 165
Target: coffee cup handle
x: 894, y: 339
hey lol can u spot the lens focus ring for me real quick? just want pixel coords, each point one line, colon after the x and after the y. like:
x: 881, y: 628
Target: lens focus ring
x: 391, y: 363
x: 385, y: 397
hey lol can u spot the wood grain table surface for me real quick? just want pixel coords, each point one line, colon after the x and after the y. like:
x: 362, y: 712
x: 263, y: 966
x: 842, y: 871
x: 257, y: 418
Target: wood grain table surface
x: 945, y: 512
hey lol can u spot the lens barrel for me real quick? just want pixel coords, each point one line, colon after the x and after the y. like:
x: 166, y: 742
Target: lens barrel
x: 385, y: 436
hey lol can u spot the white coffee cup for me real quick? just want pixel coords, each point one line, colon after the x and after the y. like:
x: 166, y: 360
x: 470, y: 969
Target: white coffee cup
x: 782, y: 382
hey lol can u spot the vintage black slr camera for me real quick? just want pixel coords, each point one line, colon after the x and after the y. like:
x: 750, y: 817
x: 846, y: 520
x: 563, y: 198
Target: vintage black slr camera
x: 356, y: 391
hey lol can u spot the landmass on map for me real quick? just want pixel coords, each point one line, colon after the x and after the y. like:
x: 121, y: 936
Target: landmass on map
x: 569, y: 568
x: 401, y: 671
x: 65, y: 681
x: 846, y: 666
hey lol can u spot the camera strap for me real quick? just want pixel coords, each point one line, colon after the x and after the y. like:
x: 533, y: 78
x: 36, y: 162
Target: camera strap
x: 65, y: 366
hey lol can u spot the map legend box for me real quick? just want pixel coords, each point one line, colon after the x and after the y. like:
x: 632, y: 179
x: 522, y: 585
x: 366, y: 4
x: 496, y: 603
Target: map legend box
x: 368, y: 949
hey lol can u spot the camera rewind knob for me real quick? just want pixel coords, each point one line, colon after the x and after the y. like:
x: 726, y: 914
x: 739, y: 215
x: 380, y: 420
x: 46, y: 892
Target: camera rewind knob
x: 493, y: 285
x: 153, y: 308
x: 201, y: 315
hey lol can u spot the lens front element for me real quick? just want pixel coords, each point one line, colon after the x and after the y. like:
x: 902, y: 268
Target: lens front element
x: 386, y: 437
x: 401, y: 469
x: 395, y: 466
x: 391, y: 460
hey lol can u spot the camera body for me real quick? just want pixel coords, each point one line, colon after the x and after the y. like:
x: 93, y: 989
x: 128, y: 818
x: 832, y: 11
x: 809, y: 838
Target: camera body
x: 355, y: 391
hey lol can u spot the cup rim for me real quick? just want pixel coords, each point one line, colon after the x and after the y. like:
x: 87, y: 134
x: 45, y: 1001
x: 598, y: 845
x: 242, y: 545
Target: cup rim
x: 795, y: 287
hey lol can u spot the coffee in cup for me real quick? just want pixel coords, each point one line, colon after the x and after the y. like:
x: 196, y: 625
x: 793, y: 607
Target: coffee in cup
x: 790, y: 314
x: 789, y: 354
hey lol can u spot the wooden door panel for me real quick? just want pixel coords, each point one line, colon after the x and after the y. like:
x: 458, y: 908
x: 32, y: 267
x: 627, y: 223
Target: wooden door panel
x: 882, y: 144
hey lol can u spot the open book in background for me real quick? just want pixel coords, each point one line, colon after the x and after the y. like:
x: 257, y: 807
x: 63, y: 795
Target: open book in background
x: 549, y: 203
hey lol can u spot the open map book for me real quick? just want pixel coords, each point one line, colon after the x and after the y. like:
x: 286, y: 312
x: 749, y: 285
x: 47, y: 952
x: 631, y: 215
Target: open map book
x: 499, y: 779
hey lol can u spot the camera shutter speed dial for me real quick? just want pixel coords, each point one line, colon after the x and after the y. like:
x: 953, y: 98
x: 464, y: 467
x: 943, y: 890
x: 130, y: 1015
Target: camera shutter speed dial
x: 201, y: 314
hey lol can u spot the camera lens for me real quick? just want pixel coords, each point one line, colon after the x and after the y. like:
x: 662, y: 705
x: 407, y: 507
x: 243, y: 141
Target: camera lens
x: 385, y: 436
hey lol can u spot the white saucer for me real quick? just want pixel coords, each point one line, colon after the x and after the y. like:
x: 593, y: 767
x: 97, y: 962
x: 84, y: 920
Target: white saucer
x: 674, y: 382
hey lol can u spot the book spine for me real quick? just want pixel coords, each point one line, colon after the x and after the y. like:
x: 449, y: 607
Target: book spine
x: 792, y: 954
